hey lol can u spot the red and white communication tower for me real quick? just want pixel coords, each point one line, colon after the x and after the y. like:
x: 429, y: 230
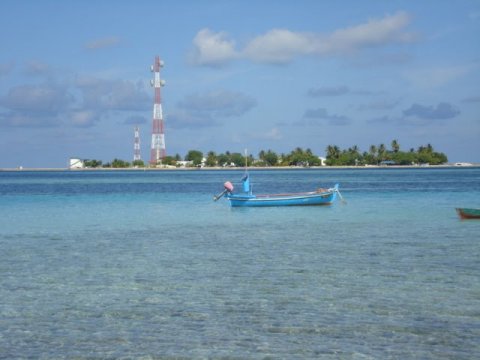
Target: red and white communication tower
x: 136, y: 145
x: 158, y: 136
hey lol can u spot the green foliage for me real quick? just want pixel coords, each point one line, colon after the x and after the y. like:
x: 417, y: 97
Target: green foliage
x: 138, y: 163
x: 404, y: 158
x: 352, y: 156
x: 395, y: 146
x: 92, y: 163
x: 223, y: 159
x: 378, y: 154
x: 333, y: 155
x: 237, y: 159
x: 268, y: 158
x: 300, y: 157
x: 195, y: 157
x: 169, y: 160
x: 211, y: 159
x: 227, y: 159
x: 117, y: 163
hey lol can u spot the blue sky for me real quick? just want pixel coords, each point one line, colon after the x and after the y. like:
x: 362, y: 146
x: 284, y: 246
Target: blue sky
x: 75, y: 76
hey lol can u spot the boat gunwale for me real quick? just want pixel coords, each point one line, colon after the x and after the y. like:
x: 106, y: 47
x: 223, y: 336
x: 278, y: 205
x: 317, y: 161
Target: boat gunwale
x: 299, y: 194
x: 325, y: 198
x: 266, y: 197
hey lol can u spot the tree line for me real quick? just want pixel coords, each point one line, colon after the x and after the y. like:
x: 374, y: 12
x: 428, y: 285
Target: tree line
x: 196, y: 158
x: 376, y: 155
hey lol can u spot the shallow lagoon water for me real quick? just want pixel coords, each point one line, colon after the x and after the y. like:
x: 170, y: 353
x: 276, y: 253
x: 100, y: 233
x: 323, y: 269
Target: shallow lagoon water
x: 139, y: 264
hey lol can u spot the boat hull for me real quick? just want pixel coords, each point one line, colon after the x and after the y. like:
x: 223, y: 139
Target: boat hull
x: 302, y: 199
x: 465, y: 213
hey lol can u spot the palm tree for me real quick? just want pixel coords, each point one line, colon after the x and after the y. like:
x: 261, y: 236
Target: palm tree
x: 372, y: 151
x: 332, y: 151
x: 381, y: 152
x: 395, y: 146
x: 298, y: 150
x: 337, y: 150
x: 270, y: 158
x: 211, y: 159
x: 261, y: 155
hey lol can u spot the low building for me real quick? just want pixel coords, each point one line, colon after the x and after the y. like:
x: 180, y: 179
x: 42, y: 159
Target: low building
x: 388, y: 163
x: 76, y: 163
x: 184, y: 163
x: 463, y: 164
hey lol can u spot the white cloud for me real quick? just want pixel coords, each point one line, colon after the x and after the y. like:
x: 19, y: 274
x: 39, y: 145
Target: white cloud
x: 212, y: 49
x: 279, y: 46
x: 375, y: 32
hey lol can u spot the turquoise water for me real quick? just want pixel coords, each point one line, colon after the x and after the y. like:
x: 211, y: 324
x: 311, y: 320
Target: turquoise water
x: 146, y: 265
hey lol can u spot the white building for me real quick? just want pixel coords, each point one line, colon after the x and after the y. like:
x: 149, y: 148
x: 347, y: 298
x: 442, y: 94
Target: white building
x: 76, y: 163
x: 463, y: 164
x: 184, y: 163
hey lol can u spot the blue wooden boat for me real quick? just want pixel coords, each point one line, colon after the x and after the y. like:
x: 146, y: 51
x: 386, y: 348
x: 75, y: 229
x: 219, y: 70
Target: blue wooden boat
x: 247, y: 198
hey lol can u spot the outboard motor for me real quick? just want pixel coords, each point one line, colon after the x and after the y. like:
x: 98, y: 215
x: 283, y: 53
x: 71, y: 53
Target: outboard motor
x: 228, y: 188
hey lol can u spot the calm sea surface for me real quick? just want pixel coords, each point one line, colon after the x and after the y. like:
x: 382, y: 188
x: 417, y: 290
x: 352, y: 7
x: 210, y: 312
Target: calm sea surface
x: 145, y: 265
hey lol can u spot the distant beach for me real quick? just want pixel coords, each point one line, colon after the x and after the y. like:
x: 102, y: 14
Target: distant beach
x: 253, y: 168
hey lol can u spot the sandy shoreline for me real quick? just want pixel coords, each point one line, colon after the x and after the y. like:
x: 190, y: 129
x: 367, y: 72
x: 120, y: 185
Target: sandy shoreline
x: 240, y: 168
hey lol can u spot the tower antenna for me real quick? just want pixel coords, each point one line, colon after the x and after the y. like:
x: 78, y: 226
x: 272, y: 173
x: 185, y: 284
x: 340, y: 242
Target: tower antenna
x: 136, y: 145
x: 158, y: 151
